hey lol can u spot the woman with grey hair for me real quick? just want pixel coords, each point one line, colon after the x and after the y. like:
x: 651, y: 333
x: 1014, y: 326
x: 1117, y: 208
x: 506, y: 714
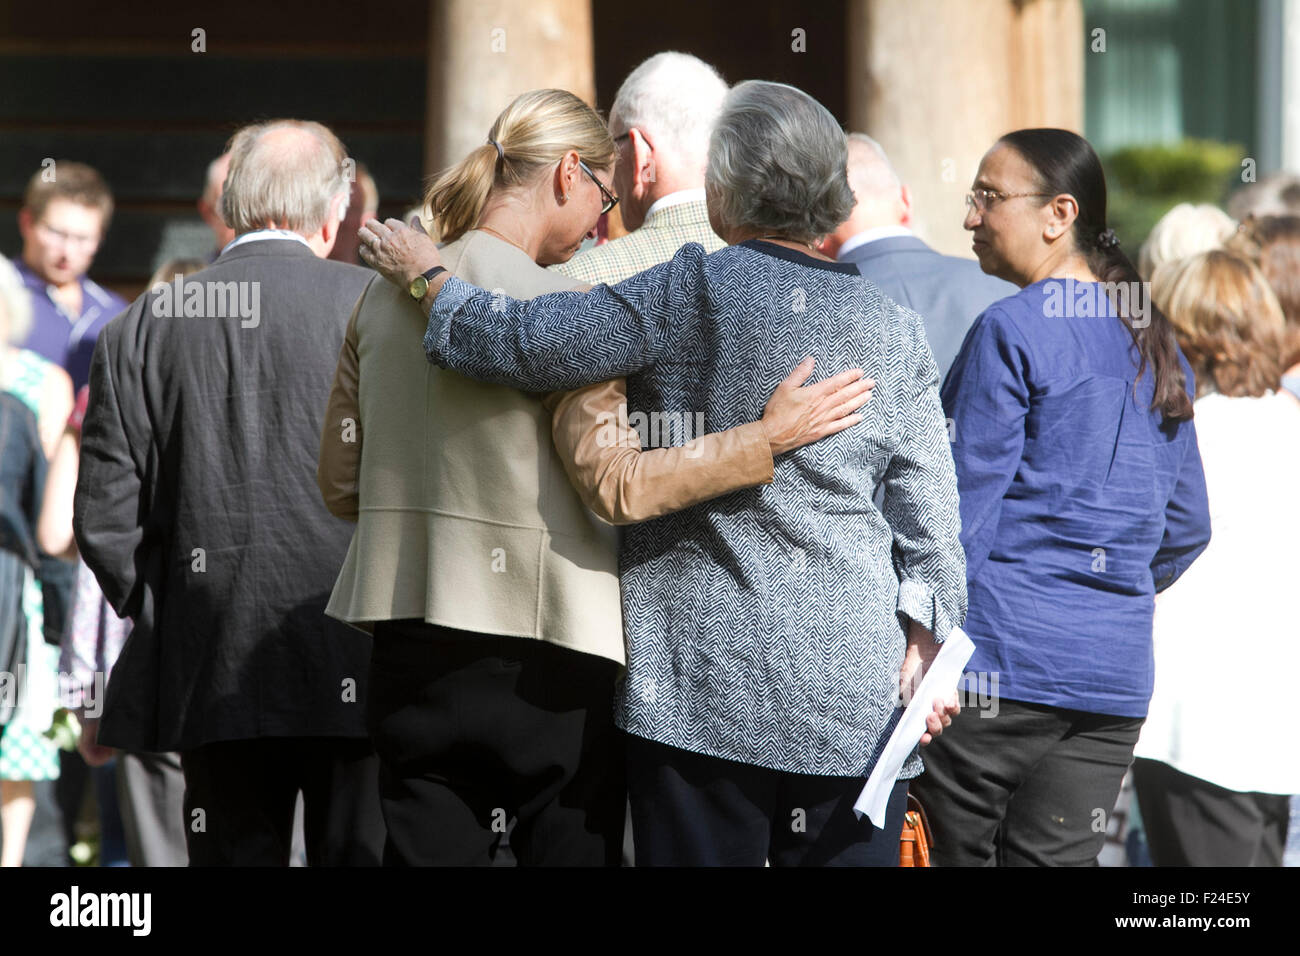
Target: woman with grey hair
x: 769, y: 630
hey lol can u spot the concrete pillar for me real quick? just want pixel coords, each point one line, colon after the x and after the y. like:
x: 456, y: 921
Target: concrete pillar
x: 937, y: 81
x: 484, y: 53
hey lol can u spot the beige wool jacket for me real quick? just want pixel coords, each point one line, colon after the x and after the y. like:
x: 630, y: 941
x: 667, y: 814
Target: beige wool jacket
x: 474, y: 502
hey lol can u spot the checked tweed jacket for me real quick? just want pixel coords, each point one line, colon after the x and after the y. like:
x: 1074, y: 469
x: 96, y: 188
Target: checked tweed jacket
x: 657, y: 240
x: 764, y: 626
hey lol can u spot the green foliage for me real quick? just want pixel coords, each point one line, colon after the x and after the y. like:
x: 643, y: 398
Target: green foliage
x: 1145, y: 182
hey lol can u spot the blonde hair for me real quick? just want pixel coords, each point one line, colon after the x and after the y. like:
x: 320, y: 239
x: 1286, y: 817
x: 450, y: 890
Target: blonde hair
x: 1184, y: 231
x: 1227, y: 319
x: 534, y: 132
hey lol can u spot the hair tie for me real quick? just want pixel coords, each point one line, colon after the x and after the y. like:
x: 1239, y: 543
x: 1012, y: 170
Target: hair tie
x: 501, y: 153
x: 1107, y: 240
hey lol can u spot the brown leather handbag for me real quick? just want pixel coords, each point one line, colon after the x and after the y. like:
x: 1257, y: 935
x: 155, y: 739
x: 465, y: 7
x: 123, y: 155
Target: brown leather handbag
x: 914, y: 847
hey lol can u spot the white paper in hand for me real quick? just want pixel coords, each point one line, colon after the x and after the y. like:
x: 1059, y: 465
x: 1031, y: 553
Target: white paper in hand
x: 939, y: 681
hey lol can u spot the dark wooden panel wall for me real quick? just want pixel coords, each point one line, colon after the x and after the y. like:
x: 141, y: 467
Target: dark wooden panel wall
x: 118, y: 86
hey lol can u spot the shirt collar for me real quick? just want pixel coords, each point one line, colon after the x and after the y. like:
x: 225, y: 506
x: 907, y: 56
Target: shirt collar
x: 871, y: 235
x: 261, y: 234
x: 93, y: 295
x: 675, y: 199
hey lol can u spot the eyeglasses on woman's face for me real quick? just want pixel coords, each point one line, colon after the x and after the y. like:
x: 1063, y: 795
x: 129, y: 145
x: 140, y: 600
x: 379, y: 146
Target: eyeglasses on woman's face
x: 981, y: 200
x: 610, y: 200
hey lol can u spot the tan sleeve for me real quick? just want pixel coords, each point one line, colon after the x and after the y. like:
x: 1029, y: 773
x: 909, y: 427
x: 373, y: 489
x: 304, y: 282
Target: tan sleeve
x: 623, y: 484
x: 339, y: 467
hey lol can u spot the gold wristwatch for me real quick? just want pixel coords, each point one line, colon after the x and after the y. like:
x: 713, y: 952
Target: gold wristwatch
x: 420, y: 284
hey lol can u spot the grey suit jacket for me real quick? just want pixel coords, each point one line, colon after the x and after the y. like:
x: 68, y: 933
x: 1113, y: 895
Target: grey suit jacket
x: 197, y: 506
x: 947, y: 292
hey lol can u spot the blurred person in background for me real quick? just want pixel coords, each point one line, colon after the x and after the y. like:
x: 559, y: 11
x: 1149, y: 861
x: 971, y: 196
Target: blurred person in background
x: 210, y: 205
x: 948, y: 292
x: 1273, y: 244
x: 65, y: 214
x: 1082, y: 496
x: 362, y: 206
x: 27, y: 756
x: 1184, y: 231
x: 1277, y: 194
x: 1213, y: 785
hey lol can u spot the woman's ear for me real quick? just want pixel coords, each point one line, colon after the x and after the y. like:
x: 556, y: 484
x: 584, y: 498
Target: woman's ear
x: 1061, y: 213
x: 566, y: 175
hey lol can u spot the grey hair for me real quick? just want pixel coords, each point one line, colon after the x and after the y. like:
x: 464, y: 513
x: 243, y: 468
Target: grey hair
x: 676, y: 98
x: 777, y: 162
x: 291, y: 181
x: 15, y: 305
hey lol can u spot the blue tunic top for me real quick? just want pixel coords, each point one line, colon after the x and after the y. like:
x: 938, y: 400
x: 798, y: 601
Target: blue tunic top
x: 764, y: 626
x: 1077, y: 506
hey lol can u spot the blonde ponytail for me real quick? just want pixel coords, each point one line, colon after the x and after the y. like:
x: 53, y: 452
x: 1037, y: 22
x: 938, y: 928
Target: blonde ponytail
x: 532, y: 134
x: 458, y: 196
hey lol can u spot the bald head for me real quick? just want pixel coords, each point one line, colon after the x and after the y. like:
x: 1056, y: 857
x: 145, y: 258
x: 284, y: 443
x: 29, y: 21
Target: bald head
x: 880, y: 198
x: 291, y: 174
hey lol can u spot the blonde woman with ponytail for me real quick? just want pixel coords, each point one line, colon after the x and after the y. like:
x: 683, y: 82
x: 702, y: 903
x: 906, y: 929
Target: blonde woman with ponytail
x: 491, y: 589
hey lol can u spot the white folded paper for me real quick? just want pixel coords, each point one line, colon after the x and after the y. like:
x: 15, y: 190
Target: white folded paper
x: 939, y: 681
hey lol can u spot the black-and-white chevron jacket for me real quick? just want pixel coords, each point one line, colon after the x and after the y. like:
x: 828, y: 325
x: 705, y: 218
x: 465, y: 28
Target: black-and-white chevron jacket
x: 764, y: 626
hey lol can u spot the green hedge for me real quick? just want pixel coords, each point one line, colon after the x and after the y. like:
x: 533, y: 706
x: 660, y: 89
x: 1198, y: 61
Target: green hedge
x: 1145, y: 182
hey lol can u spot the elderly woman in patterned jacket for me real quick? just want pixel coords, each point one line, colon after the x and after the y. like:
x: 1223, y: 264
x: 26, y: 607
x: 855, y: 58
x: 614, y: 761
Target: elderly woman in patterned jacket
x: 769, y: 630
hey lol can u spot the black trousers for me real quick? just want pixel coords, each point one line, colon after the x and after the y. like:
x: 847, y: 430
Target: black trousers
x: 1192, y: 822
x: 1031, y: 786
x: 240, y: 797
x: 473, y: 730
x: 689, y: 809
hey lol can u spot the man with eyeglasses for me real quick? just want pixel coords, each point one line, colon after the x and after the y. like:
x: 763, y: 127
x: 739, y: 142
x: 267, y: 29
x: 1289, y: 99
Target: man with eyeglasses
x: 948, y: 292
x: 661, y: 120
x: 65, y: 213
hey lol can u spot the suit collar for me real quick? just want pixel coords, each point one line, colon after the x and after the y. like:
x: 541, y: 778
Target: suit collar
x: 267, y: 247
x: 679, y: 214
x: 886, y: 246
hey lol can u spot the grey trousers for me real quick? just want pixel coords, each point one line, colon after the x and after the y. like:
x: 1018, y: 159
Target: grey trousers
x: 151, y: 794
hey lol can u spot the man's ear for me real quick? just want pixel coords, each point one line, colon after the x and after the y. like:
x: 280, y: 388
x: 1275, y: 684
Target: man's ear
x: 905, y: 197
x: 643, y: 159
x: 24, y: 221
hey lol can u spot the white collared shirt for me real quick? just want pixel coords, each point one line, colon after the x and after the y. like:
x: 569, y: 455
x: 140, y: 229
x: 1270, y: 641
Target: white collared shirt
x: 264, y: 234
x: 871, y: 235
x: 675, y: 199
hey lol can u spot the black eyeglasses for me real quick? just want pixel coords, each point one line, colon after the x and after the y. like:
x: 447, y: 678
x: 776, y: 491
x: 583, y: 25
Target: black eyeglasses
x: 610, y: 199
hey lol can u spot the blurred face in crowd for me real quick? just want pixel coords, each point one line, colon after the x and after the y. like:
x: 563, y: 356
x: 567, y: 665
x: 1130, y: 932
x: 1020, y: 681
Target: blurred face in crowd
x: 1010, y: 231
x: 60, y: 245
x: 576, y: 219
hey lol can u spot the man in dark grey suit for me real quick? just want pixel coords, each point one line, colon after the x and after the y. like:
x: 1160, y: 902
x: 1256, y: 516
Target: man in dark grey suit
x: 198, y: 511
x: 946, y: 291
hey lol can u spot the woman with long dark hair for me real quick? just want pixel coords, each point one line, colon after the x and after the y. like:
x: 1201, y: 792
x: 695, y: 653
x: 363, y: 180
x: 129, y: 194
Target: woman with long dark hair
x: 1082, y: 495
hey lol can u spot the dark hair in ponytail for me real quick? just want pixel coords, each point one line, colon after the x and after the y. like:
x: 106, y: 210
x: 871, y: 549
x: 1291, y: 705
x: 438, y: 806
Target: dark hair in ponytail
x: 1065, y: 163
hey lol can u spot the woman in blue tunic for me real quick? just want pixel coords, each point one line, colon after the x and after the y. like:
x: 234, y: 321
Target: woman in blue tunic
x: 1082, y: 495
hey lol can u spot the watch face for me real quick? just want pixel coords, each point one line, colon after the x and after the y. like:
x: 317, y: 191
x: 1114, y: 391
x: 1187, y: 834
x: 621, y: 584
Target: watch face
x: 419, y: 286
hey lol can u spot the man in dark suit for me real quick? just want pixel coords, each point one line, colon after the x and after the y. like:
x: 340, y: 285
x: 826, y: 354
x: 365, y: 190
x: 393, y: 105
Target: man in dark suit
x: 198, y: 511
x: 949, y: 293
